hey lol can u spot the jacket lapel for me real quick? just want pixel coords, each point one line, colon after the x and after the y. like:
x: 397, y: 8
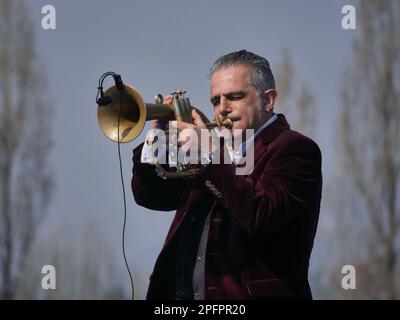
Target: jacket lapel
x: 268, y: 135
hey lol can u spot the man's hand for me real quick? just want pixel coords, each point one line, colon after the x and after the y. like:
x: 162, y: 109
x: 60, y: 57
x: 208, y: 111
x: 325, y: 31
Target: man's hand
x: 194, y: 138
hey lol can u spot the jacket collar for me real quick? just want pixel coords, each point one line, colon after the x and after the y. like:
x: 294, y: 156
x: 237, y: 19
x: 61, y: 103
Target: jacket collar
x: 269, y: 134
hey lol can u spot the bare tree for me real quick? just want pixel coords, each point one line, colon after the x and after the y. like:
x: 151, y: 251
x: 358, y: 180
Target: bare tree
x: 370, y: 123
x: 85, y: 265
x: 25, y: 142
x: 305, y: 104
x: 284, y: 80
x: 295, y: 102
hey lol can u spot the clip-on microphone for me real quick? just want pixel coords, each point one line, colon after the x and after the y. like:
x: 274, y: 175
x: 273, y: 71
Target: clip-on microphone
x: 105, y: 100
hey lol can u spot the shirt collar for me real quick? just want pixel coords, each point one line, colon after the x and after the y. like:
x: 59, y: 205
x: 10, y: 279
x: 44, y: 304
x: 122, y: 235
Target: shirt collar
x: 238, y: 154
x: 261, y: 129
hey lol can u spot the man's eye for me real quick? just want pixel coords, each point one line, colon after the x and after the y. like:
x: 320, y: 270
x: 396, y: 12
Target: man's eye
x: 215, y: 103
x: 236, y: 97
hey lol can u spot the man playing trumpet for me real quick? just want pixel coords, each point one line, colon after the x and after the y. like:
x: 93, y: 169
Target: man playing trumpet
x: 236, y: 236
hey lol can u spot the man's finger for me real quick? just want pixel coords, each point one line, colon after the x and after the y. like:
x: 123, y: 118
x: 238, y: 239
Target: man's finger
x: 183, y: 125
x: 168, y: 99
x: 197, y: 120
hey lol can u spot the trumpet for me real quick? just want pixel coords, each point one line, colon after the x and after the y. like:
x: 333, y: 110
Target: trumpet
x: 122, y: 113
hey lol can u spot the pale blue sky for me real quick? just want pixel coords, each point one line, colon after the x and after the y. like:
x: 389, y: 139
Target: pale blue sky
x: 161, y: 46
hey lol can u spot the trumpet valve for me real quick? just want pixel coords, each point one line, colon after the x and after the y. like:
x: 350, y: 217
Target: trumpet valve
x: 158, y: 99
x: 227, y: 123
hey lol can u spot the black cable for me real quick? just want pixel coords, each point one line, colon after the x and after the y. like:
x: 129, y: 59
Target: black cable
x: 123, y: 191
x: 119, y: 84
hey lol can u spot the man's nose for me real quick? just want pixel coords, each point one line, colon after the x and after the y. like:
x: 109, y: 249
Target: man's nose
x: 224, y: 108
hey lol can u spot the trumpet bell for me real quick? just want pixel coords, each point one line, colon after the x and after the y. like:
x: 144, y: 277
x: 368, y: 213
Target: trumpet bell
x: 125, y: 115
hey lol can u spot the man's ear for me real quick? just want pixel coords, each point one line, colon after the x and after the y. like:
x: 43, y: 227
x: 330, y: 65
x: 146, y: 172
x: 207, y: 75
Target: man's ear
x: 270, y: 96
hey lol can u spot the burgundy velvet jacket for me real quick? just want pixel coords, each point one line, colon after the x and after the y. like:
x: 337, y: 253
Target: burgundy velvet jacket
x: 262, y: 226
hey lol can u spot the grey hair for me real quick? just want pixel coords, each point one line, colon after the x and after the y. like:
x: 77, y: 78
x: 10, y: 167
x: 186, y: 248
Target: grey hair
x: 261, y: 76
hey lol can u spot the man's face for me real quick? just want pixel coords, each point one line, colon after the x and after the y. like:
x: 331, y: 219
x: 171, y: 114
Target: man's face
x: 234, y: 97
